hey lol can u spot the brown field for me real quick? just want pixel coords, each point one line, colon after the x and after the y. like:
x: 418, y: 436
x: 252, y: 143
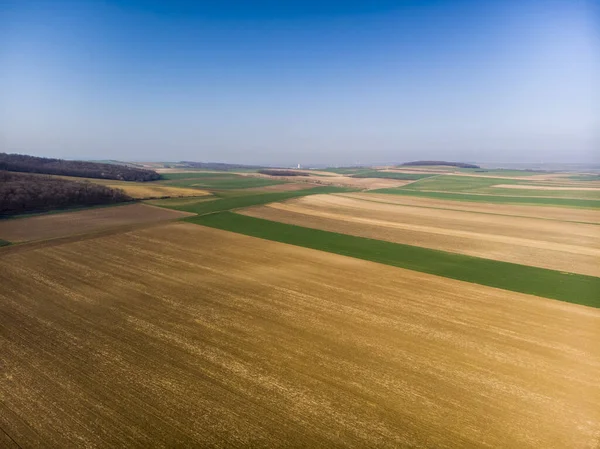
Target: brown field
x: 543, y: 212
x: 81, y: 222
x: 571, y: 247
x: 154, y: 338
x: 362, y: 183
x: 538, y: 187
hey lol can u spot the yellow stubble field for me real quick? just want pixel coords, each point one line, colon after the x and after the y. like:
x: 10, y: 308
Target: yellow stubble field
x: 181, y: 335
x: 552, y: 244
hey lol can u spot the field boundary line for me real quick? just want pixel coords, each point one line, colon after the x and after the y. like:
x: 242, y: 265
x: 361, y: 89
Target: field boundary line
x: 11, y: 438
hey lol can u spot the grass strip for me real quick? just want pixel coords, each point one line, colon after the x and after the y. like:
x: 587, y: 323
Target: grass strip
x: 236, y: 202
x: 540, y: 201
x: 4, y: 243
x: 569, y: 287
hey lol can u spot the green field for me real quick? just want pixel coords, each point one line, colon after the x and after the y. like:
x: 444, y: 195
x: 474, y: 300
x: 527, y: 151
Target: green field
x: 570, y: 194
x: 391, y: 175
x: 540, y: 201
x: 449, y: 184
x: 584, y: 178
x: 236, y: 202
x: 475, y: 171
x: 501, y: 172
x: 4, y: 242
x: 574, y: 288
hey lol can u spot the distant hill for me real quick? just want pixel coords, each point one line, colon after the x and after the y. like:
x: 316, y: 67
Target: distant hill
x: 282, y: 172
x: 113, y: 161
x: 450, y: 164
x: 85, y: 169
x: 220, y: 166
x: 21, y: 192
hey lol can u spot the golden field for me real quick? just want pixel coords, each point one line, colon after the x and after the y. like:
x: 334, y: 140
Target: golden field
x: 562, y: 246
x: 144, y: 190
x: 181, y: 335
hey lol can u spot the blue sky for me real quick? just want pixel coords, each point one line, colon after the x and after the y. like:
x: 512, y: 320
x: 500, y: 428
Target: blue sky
x: 284, y: 82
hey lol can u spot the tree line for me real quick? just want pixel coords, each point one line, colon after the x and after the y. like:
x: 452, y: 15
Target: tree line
x: 32, y: 164
x: 31, y: 193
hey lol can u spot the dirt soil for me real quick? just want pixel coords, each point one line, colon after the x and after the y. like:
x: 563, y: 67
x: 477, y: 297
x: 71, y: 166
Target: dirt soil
x: 185, y: 336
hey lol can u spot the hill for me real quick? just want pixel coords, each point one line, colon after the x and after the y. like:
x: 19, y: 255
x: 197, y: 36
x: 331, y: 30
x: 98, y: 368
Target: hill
x: 32, y: 164
x: 450, y: 164
x: 21, y: 192
x: 220, y: 166
x: 282, y: 172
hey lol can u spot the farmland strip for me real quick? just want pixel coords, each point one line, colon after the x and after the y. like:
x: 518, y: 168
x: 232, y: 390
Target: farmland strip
x: 237, y: 202
x: 569, y: 287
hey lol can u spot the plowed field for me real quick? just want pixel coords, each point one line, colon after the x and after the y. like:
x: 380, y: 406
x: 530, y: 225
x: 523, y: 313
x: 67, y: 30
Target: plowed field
x: 184, y: 336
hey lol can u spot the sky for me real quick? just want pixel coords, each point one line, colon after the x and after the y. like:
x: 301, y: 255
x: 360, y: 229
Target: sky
x: 310, y: 82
